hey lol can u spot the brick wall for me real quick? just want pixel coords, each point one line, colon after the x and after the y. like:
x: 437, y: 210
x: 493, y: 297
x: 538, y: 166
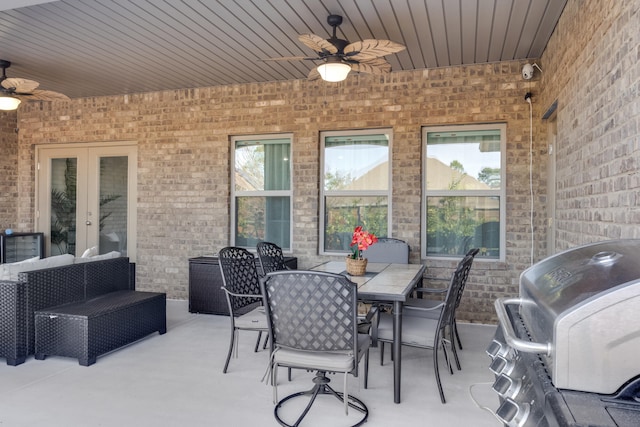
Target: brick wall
x: 591, y: 67
x: 8, y: 171
x: 183, y: 159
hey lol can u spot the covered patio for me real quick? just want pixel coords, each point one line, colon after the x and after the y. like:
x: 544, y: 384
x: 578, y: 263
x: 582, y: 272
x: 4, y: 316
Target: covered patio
x: 176, y: 379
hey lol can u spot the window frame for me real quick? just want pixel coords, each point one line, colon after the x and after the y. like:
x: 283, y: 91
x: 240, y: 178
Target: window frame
x: 365, y: 193
x: 501, y: 192
x: 234, y: 194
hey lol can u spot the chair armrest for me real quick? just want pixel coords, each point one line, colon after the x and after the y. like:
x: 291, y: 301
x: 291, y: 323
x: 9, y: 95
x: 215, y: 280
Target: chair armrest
x: 430, y: 312
x: 240, y: 295
x: 430, y: 290
x: 372, y: 313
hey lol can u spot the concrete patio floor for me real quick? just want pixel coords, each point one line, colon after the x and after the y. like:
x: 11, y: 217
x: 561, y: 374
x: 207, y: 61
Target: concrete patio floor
x: 176, y: 379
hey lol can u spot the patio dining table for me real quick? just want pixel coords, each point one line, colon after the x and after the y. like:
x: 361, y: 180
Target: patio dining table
x: 383, y: 282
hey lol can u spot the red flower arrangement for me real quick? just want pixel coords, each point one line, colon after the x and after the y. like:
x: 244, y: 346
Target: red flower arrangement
x: 361, y: 241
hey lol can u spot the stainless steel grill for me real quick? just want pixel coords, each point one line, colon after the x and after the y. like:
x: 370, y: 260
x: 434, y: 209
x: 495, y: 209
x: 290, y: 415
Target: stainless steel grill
x: 573, y: 331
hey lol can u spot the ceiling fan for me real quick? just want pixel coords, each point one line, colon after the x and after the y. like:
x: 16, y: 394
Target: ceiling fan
x: 339, y: 56
x: 13, y: 90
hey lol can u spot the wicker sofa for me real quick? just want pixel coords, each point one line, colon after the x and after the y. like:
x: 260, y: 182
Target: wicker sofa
x: 53, y: 287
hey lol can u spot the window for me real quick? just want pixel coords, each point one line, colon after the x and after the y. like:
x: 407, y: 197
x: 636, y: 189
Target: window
x: 261, y: 190
x: 464, y: 188
x: 355, y: 186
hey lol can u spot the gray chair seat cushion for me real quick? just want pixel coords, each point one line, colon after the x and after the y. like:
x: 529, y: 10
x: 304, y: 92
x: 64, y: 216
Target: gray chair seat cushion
x: 321, y: 360
x: 416, y: 330
x: 255, y: 319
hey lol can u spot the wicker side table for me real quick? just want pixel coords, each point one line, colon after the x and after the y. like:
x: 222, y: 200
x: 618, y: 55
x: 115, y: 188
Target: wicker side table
x: 91, y: 328
x: 205, y: 285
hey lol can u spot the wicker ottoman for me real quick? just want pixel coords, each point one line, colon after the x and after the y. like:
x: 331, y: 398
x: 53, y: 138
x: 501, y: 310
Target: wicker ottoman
x: 91, y: 328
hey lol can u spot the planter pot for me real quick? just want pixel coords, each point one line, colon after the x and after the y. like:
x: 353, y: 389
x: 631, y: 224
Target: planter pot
x: 356, y: 267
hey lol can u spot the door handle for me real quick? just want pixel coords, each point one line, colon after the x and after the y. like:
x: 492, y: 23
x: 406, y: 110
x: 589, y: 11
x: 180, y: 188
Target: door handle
x: 87, y: 222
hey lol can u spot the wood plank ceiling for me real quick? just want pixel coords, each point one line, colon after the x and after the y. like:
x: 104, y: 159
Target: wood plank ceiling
x: 85, y: 48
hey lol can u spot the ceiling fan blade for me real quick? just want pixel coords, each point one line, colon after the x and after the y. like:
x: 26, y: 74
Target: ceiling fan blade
x: 370, y: 48
x: 318, y: 44
x: 292, y: 58
x: 45, y: 95
x: 20, y: 85
x: 314, y: 74
x: 372, y: 66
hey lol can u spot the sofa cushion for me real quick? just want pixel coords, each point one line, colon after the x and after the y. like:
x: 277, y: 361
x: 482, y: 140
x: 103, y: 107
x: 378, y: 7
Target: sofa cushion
x: 5, y: 273
x: 92, y: 251
x: 108, y: 255
x: 39, y: 264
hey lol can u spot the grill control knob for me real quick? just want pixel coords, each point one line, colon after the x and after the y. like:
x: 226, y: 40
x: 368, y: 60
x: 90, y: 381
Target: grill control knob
x: 513, y: 414
x: 501, y: 365
x: 495, y: 349
x: 507, y: 387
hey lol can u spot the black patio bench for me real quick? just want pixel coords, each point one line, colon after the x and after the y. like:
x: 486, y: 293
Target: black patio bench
x: 90, y: 328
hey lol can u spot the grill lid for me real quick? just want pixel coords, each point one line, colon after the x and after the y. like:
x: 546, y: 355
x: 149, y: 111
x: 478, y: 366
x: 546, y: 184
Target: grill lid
x: 582, y: 310
x: 561, y: 282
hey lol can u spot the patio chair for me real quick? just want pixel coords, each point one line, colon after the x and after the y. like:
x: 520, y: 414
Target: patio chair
x: 388, y: 250
x: 422, y: 302
x: 242, y: 289
x: 271, y: 257
x: 312, y: 318
x: 422, y: 331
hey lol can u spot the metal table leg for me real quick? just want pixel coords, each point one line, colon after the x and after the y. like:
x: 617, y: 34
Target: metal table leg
x: 397, y: 349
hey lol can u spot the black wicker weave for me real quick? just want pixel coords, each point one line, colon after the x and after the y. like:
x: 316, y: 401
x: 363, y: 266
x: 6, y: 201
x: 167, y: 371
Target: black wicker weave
x: 91, y: 328
x: 39, y: 289
x: 13, y: 320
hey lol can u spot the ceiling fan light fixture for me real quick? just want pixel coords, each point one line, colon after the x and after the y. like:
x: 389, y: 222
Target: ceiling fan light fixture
x: 9, y: 103
x: 334, y: 71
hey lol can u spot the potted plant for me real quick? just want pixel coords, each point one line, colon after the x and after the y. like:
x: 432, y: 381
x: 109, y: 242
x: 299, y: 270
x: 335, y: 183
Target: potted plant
x: 361, y: 240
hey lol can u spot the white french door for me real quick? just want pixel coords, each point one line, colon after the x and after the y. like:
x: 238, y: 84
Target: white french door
x: 86, y: 197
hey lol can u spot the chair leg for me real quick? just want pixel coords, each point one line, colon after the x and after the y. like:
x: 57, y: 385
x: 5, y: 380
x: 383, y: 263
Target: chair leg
x: 381, y: 353
x: 455, y: 329
x: 255, y: 350
x: 437, y: 373
x: 443, y: 343
x: 453, y: 347
x: 231, y: 343
x: 366, y: 370
x: 321, y: 387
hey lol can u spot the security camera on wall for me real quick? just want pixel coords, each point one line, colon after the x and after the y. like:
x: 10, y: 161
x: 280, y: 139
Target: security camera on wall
x: 527, y: 71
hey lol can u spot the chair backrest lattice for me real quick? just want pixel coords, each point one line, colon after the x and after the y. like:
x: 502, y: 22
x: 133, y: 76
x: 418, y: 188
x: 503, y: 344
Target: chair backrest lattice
x: 312, y: 311
x: 271, y: 257
x: 239, y: 275
x: 454, y: 293
x: 388, y: 250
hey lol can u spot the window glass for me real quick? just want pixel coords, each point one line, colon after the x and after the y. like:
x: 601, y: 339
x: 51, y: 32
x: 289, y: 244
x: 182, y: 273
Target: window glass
x: 356, y: 186
x: 262, y: 191
x: 464, y: 190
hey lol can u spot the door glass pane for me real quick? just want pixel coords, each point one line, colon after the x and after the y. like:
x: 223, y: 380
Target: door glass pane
x: 113, y: 204
x: 64, y: 176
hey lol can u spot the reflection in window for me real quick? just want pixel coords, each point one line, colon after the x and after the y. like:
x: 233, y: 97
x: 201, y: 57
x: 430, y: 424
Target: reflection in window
x: 464, y: 190
x: 262, y: 191
x: 356, y: 186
